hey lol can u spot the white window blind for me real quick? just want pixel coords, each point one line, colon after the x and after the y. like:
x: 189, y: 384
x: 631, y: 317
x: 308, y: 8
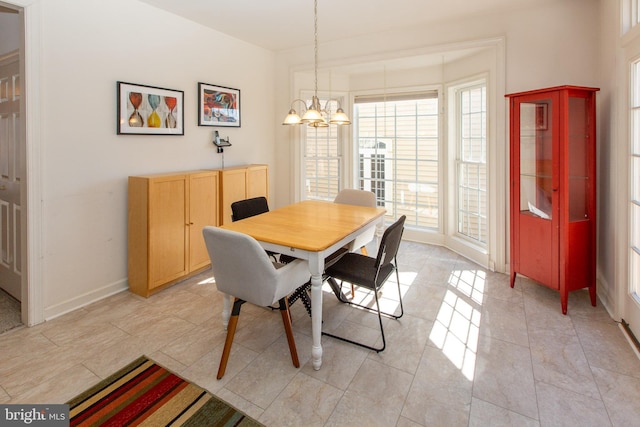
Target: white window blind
x: 322, y: 161
x: 397, y: 146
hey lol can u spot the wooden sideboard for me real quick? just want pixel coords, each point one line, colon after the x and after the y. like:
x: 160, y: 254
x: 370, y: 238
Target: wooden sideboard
x: 166, y: 214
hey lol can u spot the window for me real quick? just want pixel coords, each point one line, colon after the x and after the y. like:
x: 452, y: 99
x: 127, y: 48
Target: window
x: 397, y: 150
x: 634, y: 182
x: 322, y: 161
x: 471, y: 162
x: 630, y: 15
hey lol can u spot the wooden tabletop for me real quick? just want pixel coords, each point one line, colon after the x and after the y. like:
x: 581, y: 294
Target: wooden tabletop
x: 310, y: 225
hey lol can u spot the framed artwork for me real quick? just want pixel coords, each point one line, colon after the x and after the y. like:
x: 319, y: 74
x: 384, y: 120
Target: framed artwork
x: 149, y: 110
x: 218, y: 106
x: 541, y: 116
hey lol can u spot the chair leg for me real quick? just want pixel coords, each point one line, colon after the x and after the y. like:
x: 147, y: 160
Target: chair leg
x: 376, y: 349
x: 399, y: 295
x: 364, y: 252
x: 231, y: 331
x: 384, y: 342
x: 337, y: 290
x: 286, y: 320
x: 379, y: 312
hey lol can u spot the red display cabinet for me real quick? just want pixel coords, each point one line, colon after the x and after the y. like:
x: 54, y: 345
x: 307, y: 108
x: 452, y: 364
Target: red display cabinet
x: 553, y: 188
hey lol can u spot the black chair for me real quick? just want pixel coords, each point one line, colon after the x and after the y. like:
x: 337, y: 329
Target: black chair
x: 371, y: 273
x: 250, y: 207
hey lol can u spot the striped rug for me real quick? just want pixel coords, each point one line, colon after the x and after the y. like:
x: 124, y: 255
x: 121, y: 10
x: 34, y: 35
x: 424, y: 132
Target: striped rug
x: 145, y: 394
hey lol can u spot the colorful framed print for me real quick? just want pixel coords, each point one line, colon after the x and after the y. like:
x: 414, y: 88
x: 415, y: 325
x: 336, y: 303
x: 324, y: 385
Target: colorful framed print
x: 218, y: 106
x: 149, y: 110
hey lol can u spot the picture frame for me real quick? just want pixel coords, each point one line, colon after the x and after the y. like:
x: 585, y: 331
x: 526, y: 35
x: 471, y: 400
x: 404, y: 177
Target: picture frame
x: 149, y: 110
x: 541, y: 116
x: 218, y: 106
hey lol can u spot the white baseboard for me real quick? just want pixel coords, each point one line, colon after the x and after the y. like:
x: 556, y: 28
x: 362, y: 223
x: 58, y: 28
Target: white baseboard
x: 84, y: 300
x: 629, y: 339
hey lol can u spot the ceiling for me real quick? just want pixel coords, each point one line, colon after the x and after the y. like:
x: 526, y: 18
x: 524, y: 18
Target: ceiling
x: 286, y: 24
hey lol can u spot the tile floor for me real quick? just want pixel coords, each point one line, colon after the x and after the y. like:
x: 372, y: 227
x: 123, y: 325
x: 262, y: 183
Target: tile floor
x: 470, y: 351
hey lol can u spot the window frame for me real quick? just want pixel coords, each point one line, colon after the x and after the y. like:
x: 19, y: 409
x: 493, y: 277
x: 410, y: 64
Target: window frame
x: 455, y: 92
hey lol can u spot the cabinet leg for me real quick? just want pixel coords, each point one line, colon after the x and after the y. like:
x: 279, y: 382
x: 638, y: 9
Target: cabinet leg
x: 513, y: 278
x: 564, y: 300
x: 592, y: 294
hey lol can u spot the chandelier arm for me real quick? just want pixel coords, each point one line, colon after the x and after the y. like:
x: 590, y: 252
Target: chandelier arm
x: 299, y: 100
x: 326, y: 104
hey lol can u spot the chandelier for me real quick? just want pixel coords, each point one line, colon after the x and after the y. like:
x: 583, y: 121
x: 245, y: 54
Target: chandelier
x: 314, y: 115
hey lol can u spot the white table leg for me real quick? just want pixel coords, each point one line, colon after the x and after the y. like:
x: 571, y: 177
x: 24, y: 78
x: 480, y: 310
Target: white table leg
x: 316, y: 266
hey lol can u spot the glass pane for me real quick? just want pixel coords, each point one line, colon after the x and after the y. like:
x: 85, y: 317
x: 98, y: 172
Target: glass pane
x: 427, y: 149
x: 398, y: 155
x: 428, y: 127
x: 635, y: 270
x: 428, y: 172
x: 635, y: 184
x: 636, y: 87
x: 635, y: 219
x: 635, y: 143
x: 578, y: 159
x: 577, y: 199
x: 536, y: 158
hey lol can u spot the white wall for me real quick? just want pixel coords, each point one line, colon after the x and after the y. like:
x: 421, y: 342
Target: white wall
x: 612, y: 153
x: 86, y: 46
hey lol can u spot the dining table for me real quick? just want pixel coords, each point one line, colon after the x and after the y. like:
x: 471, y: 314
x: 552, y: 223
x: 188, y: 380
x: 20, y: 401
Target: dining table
x: 310, y: 230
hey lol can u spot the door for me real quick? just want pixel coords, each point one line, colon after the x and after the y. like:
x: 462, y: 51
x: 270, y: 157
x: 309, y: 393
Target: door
x: 534, y: 208
x: 203, y: 211
x: 233, y: 188
x: 257, y: 181
x: 168, y: 258
x: 630, y: 275
x: 10, y: 179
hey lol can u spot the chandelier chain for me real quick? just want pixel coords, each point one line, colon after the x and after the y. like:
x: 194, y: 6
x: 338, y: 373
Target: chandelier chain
x: 314, y: 115
x: 315, y: 43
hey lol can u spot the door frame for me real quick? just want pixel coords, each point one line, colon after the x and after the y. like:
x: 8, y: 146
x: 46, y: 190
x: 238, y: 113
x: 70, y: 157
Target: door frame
x: 32, y: 307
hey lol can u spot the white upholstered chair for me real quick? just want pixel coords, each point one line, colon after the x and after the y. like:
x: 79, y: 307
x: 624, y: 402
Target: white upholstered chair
x: 350, y: 196
x: 242, y: 269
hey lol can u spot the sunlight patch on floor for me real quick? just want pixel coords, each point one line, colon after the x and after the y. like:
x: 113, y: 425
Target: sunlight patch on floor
x: 207, y: 281
x: 388, y: 295
x: 457, y: 325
